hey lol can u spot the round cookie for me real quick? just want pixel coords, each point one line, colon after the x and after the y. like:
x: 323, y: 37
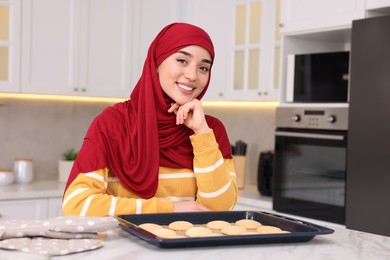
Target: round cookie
x: 150, y: 226
x: 248, y: 223
x: 180, y: 225
x: 268, y: 230
x: 165, y: 233
x: 233, y: 230
x: 198, y: 232
x: 217, y: 224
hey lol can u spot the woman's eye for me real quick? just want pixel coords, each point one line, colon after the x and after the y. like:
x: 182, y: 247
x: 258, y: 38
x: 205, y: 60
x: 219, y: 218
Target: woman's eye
x: 182, y: 61
x: 204, y: 69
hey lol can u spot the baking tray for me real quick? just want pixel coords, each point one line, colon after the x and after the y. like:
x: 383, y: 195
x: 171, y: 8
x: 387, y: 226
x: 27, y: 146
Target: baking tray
x: 300, y: 231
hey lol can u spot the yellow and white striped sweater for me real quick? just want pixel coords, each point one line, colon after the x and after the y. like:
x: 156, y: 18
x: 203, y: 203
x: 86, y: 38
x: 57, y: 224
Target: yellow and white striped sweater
x: 211, y: 183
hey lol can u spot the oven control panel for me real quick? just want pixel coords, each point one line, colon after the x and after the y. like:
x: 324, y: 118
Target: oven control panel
x: 313, y: 117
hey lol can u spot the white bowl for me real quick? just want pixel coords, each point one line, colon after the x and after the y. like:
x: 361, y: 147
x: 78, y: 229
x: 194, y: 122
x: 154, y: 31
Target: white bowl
x: 7, y: 177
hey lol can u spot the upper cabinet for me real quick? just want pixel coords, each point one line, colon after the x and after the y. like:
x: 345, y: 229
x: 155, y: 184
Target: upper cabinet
x: 217, y: 20
x: 10, y: 17
x: 91, y: 48
x: 379, y: 5
x: 300, y: 16
x: 255, y: 50
x: 148, y: 18
x: 76, y: 47
x: 98, y: 48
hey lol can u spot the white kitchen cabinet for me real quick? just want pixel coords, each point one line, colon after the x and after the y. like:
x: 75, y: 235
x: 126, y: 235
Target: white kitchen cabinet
x: 307, y: 15
x: 255, y: 51
x: 48, y: 46
x: 40, y: 208
x: 10, y: 18
x: 54, y: 207
x: 217, y: 20
x: 91, y: 48
x: 76, y: 47
x: 104, y: 50
x: 377, y: 4
x: 23, y: 209
x: 149, y: 17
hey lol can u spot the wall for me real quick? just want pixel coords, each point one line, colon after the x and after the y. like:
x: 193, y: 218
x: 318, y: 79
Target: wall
x: 44, y: 129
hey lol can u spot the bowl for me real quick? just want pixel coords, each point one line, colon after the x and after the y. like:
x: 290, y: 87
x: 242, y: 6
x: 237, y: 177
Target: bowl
x: 7, y: 177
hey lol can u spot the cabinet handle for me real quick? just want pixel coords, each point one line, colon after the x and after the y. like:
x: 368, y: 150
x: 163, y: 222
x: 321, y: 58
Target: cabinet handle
x: 220, y: 94
x: 76, y: 89
x: 83, y: 90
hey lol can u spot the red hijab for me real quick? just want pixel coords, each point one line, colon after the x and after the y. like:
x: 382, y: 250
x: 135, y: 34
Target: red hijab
x: 135, y: 137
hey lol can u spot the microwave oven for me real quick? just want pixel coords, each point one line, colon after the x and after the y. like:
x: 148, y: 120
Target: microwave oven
x: 318, y: 77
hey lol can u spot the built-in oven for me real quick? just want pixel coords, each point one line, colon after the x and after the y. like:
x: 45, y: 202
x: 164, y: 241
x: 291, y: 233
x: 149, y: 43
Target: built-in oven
x: 310, y: 162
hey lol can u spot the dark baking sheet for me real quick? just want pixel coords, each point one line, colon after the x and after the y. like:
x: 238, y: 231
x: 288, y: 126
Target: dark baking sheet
x: 300, y: 231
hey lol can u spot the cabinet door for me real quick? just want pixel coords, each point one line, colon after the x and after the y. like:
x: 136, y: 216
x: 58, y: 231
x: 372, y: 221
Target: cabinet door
x: 10, y: 17
x: 221, y: 33
x: 54, y: 208
x: 377, y: 4
x: 255, y: 50
x: 104, y: 51
x: 76, y: 47
x: 23, y: 209
x: 149, y: 18
x: 308, y: 15
x: 48, y: 46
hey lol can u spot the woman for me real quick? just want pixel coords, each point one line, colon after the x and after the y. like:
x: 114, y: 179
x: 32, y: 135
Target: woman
x: 157, y: 152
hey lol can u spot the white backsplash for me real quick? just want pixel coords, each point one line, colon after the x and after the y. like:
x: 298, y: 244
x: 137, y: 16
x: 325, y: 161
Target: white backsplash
x: 44, y: 129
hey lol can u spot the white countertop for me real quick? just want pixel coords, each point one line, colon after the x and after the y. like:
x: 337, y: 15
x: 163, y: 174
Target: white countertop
x: 37, y: 189
x: 342, y: 244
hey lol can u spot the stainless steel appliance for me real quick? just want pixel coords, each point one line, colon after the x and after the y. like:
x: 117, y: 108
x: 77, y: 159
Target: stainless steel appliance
x: 264, y: 173
x: 368, y: 186
x: 318, y: 77
x: 310, y: 162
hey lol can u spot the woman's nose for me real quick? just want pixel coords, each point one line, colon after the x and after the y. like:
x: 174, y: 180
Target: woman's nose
x: 190, y: 73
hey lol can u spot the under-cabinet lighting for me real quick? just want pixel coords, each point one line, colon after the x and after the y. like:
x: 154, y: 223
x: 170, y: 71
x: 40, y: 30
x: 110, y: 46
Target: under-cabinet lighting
x: 206, y: 103
x: 240, y: 103
x: 61, y: 98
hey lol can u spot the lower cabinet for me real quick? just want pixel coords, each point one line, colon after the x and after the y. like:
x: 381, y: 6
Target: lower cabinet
x: 30, y: 208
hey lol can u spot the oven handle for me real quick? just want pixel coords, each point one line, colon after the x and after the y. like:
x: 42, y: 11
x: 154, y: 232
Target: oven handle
x: 313, y: 136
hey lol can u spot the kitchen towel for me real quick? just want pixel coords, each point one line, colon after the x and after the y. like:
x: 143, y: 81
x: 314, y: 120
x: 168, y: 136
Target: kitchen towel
x: 55, y: 236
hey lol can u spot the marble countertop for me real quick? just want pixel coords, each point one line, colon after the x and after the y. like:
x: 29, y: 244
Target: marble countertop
x: 36, y: 189
x: 342, y: 244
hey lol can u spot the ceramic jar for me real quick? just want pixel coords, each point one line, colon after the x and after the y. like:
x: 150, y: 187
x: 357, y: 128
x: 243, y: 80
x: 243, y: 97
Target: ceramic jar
x: 23, y: 169
x: 7, y: 177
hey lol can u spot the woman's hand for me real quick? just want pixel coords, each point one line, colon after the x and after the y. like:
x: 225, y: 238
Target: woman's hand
x: 188, y: 206
x: 190, y: 114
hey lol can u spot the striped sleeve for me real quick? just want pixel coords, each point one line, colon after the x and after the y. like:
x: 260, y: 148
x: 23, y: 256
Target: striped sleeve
x: 215, y: 176
x: 88, y: 195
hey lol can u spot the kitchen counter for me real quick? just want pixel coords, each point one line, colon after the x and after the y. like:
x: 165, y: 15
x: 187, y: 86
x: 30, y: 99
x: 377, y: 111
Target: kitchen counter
x: 36, y: 189
x: 342, y: 244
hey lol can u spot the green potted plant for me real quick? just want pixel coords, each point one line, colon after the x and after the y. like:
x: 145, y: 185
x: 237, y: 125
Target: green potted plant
x: 65, y: 165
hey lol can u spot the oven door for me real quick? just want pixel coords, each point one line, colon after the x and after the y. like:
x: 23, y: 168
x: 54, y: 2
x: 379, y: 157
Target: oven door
x: 310, y: 173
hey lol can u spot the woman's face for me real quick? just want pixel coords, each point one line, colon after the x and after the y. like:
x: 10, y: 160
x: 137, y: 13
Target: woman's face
x: 184, y: 74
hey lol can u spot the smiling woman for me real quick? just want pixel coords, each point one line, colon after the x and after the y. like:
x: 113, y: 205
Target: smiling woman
x: 158, y: 151
x: 185, y: 74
